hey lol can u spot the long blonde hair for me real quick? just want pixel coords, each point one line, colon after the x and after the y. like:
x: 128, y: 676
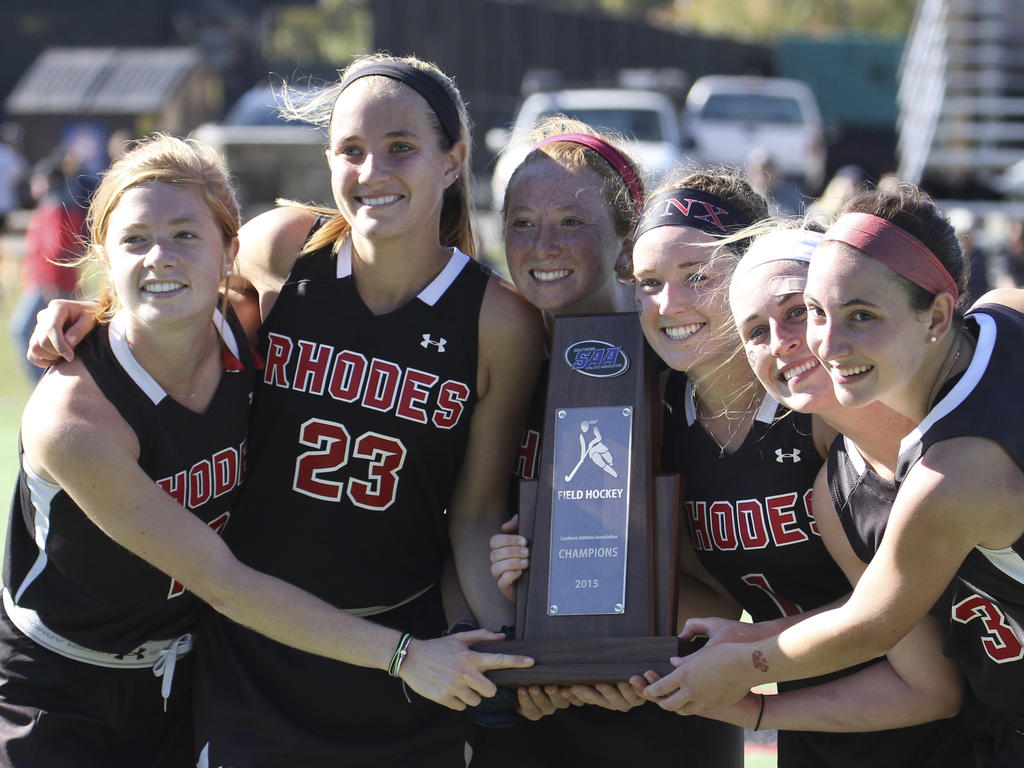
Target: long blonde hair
x: 455, y: 228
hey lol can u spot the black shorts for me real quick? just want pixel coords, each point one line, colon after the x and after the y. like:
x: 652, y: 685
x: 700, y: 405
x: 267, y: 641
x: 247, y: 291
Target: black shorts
x: 998, y: 738
x: 61, y: 713
x: 600, y: 738
x: 942, y: 744
x: 261, y: 704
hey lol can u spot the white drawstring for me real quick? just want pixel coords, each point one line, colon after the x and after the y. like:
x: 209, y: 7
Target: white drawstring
x: 164, y: 667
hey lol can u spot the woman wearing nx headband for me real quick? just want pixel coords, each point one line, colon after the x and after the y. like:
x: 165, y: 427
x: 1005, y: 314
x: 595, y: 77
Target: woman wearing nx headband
x: 882, y: 295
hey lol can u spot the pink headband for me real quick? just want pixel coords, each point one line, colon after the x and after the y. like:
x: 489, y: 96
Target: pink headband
x: 615, y: 159
x: 890, y: 244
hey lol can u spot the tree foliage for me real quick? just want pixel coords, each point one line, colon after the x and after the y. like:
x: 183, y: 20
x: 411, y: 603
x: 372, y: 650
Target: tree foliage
x: 768, y: 19
x: 330, y: 31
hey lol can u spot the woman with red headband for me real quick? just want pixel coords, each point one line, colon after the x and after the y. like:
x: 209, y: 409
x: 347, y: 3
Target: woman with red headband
x: 569, y: 213
x: 882, y: 295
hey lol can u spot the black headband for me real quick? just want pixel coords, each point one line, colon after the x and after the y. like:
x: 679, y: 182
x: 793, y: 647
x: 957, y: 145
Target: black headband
x: 425, y: 85
x: 691, y: 208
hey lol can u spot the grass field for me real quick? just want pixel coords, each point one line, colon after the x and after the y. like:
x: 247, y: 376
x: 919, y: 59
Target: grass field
x: 14, y: 390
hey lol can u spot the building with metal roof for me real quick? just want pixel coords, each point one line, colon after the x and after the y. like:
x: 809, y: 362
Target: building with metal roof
x: 137, y: 90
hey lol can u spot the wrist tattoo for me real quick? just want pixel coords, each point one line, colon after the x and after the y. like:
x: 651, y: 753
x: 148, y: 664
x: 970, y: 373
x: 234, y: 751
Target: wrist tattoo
x: 759, y: 661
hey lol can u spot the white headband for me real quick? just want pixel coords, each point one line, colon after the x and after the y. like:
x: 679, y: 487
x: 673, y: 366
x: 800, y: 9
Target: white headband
x: 780, y: 245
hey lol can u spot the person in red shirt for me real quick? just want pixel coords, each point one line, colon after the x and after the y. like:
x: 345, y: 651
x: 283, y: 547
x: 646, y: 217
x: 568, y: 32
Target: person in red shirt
x: 53, y: 246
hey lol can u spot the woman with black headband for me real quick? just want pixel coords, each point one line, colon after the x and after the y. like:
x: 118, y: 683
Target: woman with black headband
x: 398, y: 372
x: 569, y: 213
x: 882, y: 293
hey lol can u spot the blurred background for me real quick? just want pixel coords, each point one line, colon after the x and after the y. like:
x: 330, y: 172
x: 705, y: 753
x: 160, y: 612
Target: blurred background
x: 813, y: 98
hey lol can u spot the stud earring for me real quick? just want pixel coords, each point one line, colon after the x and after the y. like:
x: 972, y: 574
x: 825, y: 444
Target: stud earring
x: 933, y: 339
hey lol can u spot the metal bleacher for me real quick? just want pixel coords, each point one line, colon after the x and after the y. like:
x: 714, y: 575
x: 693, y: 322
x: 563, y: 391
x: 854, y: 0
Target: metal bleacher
x: 961, y: 91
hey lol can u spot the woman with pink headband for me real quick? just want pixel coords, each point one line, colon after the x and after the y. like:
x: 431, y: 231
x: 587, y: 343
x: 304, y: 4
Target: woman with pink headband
x: 569, y: 213
x: 882, y: 295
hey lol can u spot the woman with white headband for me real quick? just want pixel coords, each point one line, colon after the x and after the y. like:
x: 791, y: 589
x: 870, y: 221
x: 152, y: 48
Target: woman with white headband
x: 915, y: 684
x: 882, y: 294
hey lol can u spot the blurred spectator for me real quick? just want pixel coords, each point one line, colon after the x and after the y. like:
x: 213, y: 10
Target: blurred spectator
x: 783, y: 195
x: 117, y: 144
x: 965, y: 224
x: 847, y: 182
x: 1008, y: 262
x: 12, y: 170
x: 53, y: 243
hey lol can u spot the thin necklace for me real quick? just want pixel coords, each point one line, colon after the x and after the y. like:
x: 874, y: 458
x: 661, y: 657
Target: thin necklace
x: 705, y: 422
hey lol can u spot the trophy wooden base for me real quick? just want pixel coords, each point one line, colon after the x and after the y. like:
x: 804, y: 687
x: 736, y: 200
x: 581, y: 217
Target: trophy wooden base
x: 584, y: 660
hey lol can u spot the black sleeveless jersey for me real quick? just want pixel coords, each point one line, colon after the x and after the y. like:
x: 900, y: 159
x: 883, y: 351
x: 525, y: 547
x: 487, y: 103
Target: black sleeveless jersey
x: 527, y: 460
x: 862, y: 498
x: 82, y: 584
x: 358, y: 432
x: 986, y: 599
x: 749, y: 512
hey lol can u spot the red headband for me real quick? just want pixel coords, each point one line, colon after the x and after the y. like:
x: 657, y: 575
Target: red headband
x: 892, y: 245
x: 615, y: 159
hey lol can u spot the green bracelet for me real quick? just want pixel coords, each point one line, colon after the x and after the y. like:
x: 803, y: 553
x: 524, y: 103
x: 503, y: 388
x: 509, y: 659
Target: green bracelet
x: 401, y: 650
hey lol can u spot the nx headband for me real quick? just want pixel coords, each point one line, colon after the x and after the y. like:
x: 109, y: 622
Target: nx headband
x: 691, y: 208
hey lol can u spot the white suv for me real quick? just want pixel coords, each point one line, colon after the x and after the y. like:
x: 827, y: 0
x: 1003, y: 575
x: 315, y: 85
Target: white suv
x: 648, y: 120
x: 729, y: 116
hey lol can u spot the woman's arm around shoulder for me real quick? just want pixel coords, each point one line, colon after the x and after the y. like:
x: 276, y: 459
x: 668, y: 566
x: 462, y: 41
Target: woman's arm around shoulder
x: 269, y: 244
x: 74, y: 437
x: 510, y: 352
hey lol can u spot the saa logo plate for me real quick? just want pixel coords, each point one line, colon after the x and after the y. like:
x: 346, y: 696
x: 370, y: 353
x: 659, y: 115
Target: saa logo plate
x: 599, y: 359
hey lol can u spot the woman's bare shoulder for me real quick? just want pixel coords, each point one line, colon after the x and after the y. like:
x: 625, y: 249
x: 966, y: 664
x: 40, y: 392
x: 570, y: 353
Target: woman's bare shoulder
x: 270, y: 243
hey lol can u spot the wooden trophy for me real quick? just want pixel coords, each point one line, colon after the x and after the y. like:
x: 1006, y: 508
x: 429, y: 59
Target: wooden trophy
x: 598, y: 602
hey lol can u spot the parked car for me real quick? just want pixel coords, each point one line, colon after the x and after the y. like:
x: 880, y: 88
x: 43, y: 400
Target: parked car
x: 648, y: 120
x: 270, y: 157
x: 729, y: 116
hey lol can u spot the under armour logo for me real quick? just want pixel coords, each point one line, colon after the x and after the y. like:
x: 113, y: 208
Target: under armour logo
x: 781, y: 457
x: 138, y: 653
x: 427, y: 341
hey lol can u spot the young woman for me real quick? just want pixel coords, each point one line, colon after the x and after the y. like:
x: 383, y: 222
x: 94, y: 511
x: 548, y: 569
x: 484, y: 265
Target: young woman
x: 915, y: 683
x: 397, y: 374
x: 570, y: 210
x: 882, y: 294
x: 133, y: 454
x: 748, y: 464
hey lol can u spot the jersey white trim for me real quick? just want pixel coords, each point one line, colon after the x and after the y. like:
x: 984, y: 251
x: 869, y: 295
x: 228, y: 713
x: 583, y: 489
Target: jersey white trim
x: 855, y: 458
x: 974, y: 373
x: 434, y: 290
x: 42, y: 493
x: 1006, y: 560
x: 145, y: 382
